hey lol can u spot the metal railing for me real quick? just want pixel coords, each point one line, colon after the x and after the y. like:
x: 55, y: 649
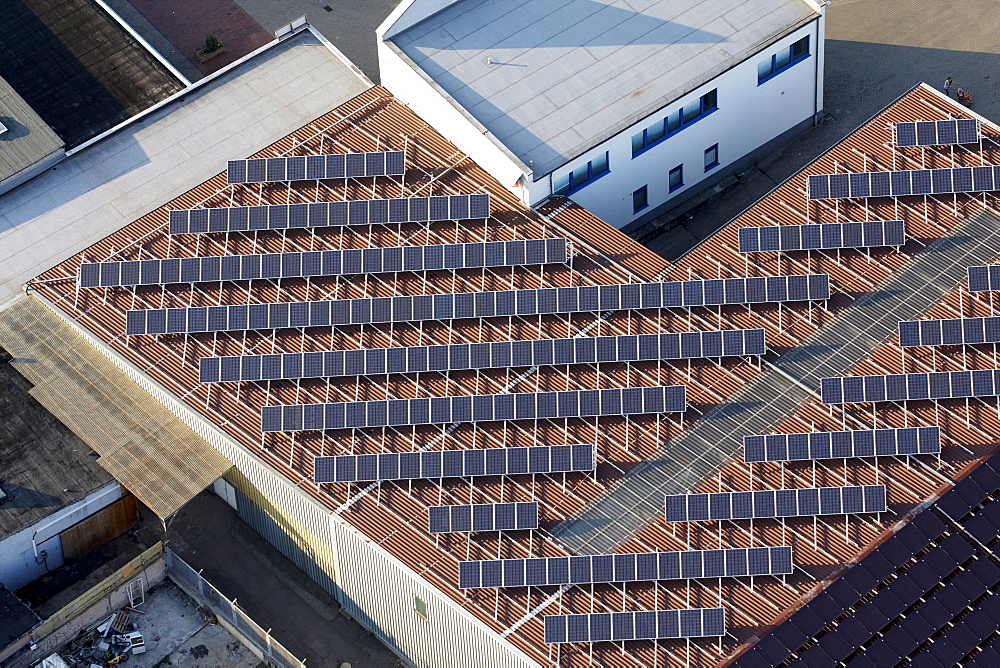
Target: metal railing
x: 199, y: 588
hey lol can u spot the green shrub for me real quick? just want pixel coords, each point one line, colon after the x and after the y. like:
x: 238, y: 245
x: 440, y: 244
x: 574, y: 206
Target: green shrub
x: 212, y: 43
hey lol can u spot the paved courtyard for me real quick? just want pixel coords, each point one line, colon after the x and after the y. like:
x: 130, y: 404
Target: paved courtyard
x: 875, y: 52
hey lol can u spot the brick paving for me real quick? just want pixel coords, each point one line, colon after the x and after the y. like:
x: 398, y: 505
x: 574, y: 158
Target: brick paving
x: 186, y: 24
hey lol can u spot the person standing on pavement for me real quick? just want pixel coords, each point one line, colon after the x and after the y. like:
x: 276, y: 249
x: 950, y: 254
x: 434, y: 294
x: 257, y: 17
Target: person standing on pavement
x: 947, y: 86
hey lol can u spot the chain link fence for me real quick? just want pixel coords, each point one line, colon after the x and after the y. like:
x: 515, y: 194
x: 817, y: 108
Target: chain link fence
x: 198, y: 587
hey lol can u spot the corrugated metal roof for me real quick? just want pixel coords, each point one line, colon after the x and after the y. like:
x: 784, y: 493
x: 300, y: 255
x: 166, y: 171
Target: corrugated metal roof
x: 28, y: 138
x: 551, y: 79
x: 395, y: 516
x: 141, y: 443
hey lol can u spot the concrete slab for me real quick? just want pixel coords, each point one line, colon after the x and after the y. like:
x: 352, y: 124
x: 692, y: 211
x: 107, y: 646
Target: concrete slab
x: 123, y: 177
x: 212, y: 646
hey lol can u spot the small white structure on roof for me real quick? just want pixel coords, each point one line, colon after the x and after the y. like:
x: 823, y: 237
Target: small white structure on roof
x: 626, y: 108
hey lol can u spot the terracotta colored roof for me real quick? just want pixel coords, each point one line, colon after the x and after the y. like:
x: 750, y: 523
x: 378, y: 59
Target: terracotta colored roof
x: 396, y: 516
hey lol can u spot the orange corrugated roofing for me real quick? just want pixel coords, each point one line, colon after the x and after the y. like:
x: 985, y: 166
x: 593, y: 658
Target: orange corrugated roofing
x: 396, y: 516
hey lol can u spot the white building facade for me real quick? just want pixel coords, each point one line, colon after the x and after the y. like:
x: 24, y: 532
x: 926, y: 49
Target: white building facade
x: 663, y: 139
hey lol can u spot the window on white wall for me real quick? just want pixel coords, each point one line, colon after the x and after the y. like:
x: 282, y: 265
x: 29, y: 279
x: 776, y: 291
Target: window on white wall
x: 640, y: 200
x: 675, y: 122
x: 676, y: 178
x: 581, y: 176
x: 711, y: 157
x: 782, y: 60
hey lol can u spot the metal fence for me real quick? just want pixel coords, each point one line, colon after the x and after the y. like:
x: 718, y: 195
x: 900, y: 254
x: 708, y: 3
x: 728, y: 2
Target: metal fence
x: 199, y: 588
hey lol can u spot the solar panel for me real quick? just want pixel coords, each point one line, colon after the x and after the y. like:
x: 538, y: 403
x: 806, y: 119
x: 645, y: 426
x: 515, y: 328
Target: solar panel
x: 492, y: 355
x: 842, y: 444
x: 591, y: 298
x: 949, y: 332
x: 635, y: 625
x: 455, y: 463
x: 483, y: 517
x: 904, y: 182
x: 767, y: 503
x: 479, y: 408
x: 911, y: 386
x: 328, y: 214
x: 303, y: 167
x: 870, y: 234
x: 937, y: 133
x: 984, y: 278
x: 640, y: 567
x: 323, y: 263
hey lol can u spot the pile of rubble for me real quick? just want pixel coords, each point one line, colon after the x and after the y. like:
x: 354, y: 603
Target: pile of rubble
x: 108, y: 643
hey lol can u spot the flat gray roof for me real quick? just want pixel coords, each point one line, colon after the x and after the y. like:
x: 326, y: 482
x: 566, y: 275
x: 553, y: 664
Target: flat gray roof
x: 27, y: 139
x: 568, y: 74
x: 179, y: 146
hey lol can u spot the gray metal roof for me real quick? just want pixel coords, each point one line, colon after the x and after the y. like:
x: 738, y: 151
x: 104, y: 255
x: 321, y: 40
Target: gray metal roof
x: 567, y: 74
x: 27, y: 140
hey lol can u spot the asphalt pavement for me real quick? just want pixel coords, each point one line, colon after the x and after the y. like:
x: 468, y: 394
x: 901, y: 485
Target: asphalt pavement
x: 209, y: 536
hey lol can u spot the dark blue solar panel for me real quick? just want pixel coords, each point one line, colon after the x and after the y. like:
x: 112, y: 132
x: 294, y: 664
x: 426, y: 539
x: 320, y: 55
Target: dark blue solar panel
x: 915, y: 182
x: 624, y: 567
x: 842, y: 444
x: 913, y: 386
x: 441, y: 307
x: 775, y: 503
x: 321, y: 214
x: 827, y: 236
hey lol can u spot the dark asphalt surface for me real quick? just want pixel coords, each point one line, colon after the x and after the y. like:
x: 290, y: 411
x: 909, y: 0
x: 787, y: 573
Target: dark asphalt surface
x: 208, y: 535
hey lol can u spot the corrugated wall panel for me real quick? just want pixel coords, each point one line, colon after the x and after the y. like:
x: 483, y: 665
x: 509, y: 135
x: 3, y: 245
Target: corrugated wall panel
x: 448, y: 637
x: 309, y: 555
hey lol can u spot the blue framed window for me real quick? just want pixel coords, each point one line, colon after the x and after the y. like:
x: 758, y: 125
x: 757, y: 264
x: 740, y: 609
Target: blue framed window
x: 711, y: 157
x: 639, y: 200
x: 676, y: 178
x: 781, y: 61
x: 581, y: 176
x: 675, y: 122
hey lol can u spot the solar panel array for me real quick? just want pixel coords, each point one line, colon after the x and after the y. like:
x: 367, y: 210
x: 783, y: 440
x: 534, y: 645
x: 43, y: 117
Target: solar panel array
x: 455, y: 463
x: 675, y: 294
x: 984, y: 278
x: 949, y: 332
x: 308, y: 167
x: 483, y: 517
x: 492, y: 355
x: 911, y: 386
x: 906, y: 182
x: 641, y: 567
x: 842, y: 444
x: 637, y: 625
x: 478, y: 408
x: 937, y: 133
x: 323, y: 263
x: 824, y: 236
x: 767, y: 503
x: 329, y: 214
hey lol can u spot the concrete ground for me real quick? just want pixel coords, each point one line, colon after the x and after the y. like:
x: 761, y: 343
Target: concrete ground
x: 875, y: 52
x: 208, y: 535
x: 108, y: 185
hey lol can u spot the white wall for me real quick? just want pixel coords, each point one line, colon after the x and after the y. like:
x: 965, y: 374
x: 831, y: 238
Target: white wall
x: 748, y: 116
x: 410, y: 85
x: 408, y: 13
x: 18, y: 565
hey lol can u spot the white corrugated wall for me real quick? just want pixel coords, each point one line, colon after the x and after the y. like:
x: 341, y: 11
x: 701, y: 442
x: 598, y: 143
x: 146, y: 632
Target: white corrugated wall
x: 373, y: 586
